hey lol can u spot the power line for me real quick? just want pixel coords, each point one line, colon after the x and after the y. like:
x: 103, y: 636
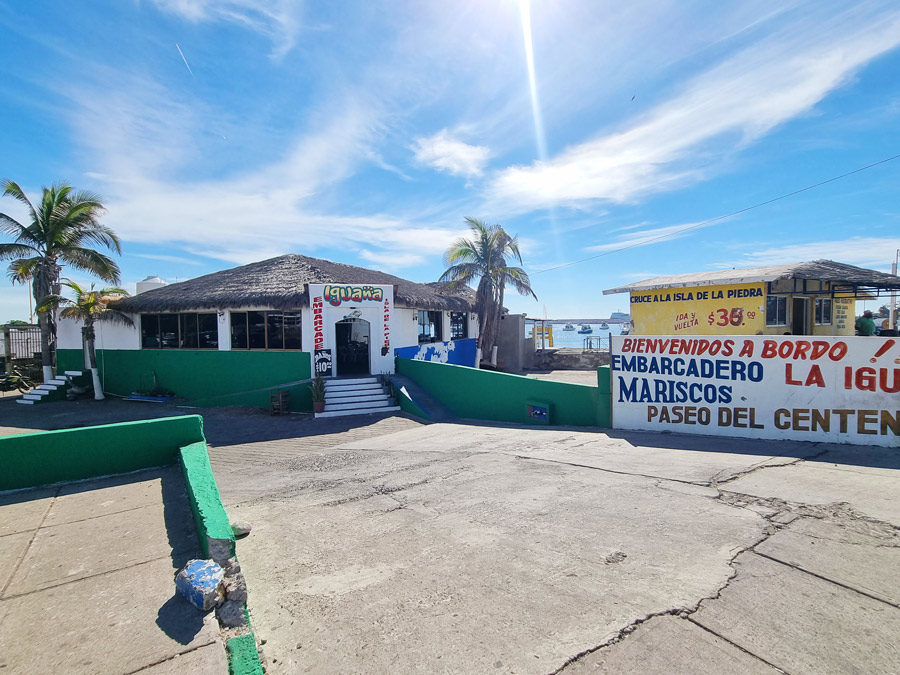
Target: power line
x: 717, y: 218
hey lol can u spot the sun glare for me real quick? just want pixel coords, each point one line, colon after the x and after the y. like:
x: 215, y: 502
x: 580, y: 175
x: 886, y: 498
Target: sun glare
x: 525, y: 11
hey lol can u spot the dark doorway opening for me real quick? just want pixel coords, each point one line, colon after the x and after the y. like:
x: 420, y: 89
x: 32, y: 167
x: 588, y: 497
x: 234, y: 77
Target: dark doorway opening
x: 352, y: 342
x: 800, y: 316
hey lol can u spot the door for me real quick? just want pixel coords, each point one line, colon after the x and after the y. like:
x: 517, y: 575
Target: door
x: 800, y: 316
x: 352, y: 346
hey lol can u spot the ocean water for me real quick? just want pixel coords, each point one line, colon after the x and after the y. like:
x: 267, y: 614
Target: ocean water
x: 573, y: 339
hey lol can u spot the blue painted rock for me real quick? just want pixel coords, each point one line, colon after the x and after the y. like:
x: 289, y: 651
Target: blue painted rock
x: 201, y: 582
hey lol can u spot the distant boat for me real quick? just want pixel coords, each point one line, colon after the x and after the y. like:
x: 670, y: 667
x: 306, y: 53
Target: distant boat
x: 585, y: 329
x: 569, y: 326
x: 604, y: 326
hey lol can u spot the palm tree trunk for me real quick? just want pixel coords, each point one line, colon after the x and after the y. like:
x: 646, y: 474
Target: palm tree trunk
x: 41, y: 289
x: 89, y: 335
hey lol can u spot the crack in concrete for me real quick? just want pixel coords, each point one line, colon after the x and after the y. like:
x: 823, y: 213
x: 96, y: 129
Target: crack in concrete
x: 714, y: 482
x: 34, y: 534
x: 837, y: 511
x: 170, y: 658
x: 682, y: 612
x: 620, y: 473
x: 831, y: 581
x: 737, y: 646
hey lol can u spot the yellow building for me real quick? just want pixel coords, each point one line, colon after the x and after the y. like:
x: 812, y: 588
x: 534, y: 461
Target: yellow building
x: 808, y: 298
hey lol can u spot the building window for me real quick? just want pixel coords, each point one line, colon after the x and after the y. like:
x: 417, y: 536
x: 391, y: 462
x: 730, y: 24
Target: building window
x: 429, y: 326
x: 265, y: 330
x: 459, y: 325
x: 179, y: 331
x: 823, y: 311
x: 776, y: 310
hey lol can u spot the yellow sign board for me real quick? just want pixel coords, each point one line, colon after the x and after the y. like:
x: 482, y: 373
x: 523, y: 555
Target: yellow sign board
x: 543, y: 331
x: 733, y: 309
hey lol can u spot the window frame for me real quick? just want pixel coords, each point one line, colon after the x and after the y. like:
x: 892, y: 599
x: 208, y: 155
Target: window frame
x: 293, y: 314
x: 180, y: 318
x: 432, y: 318
x: 779, y: 300
x: 455, y: 323
x: 819, y: 311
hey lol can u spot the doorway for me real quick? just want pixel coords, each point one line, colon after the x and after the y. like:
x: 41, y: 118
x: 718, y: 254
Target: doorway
x: 800, y: 316
x: 352, y: 342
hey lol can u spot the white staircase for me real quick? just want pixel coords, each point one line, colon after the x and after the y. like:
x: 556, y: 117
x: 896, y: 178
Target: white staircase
x: 357, y: 396
x: 48, y: 389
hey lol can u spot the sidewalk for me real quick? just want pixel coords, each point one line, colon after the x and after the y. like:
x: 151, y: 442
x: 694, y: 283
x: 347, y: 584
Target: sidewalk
x: 87, y: 577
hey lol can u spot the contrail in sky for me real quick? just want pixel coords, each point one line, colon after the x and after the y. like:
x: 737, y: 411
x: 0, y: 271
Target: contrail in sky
x: 187, y: 65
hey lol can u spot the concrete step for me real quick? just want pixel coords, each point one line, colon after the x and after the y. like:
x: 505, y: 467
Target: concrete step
x: 351, y: 381
x: 48, y: 387
x: 40, y: 393
x: 373, y: 395
x: 351, y: 387
x: 359, y: 411
x: 33, y: 397
x: 74, y: 373
x: 24, y: 401
x: 383, y: 403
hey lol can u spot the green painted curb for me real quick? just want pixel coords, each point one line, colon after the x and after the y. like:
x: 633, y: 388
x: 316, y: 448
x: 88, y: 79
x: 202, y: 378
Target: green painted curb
x: 243, y: 659
x: 213, y: 526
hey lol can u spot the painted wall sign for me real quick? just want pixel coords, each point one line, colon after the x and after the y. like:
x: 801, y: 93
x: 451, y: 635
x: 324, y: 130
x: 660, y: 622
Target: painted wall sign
x: 842, y: 316
x: 335, y: 295
x: 318, y: 324
x: 735, y: 309
x: 833, y: 389
x: 457, y: 352
x: 386, y: 347
x: 323, y: 362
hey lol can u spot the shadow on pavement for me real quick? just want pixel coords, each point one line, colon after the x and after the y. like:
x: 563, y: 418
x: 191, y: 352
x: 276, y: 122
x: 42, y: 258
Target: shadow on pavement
x: 235, y: 425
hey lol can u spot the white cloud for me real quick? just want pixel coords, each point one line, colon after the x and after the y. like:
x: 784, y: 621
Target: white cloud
x: 722, y: 109
x: 635, y: 238
x: 168, y: 258
x: 445, y: 153
x: 872, y: 252
x: 141, y: 139
x: 390, y: 261
x: 277, y: 20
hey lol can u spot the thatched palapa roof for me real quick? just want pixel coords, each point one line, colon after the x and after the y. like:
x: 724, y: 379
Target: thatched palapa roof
x: 280, y: 283
x: 845, y: 278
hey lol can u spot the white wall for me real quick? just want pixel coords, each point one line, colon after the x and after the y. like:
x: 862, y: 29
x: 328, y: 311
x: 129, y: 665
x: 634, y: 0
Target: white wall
x: 108, y: 335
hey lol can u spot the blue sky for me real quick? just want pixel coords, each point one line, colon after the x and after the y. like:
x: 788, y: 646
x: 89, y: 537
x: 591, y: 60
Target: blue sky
x: 224, y: 132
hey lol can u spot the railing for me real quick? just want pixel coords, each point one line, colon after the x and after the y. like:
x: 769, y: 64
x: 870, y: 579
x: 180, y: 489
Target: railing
x: 22, y: 346
x: 595, y: 343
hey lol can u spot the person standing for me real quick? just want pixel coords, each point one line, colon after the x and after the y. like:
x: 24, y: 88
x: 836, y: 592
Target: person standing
x: 865, y: 325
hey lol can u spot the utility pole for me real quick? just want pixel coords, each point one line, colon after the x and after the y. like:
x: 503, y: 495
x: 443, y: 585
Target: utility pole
x: 893, y: 308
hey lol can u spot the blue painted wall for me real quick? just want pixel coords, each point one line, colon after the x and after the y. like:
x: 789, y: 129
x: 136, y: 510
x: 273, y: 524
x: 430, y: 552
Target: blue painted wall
x: 456, y: 352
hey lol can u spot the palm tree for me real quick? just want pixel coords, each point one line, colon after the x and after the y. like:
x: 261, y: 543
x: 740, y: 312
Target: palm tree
x: 89, y: 305
x: 63, y: 226
x: 486, y: 257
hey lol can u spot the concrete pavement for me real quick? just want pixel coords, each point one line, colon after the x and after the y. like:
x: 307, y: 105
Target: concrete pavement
x: 394, y: 546
x: 468, y: 549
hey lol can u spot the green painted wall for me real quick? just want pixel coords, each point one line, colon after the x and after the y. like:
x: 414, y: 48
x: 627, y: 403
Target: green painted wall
x: 208, y: 378
x: 406, y: 403
x: 73, y: 454
x: 487, y: 395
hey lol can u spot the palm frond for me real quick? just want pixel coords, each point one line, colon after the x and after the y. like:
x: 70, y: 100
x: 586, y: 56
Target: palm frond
x: 21, y: 271
x: 15, y: 251
x: 12, y: 189
x: 91, y: 261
